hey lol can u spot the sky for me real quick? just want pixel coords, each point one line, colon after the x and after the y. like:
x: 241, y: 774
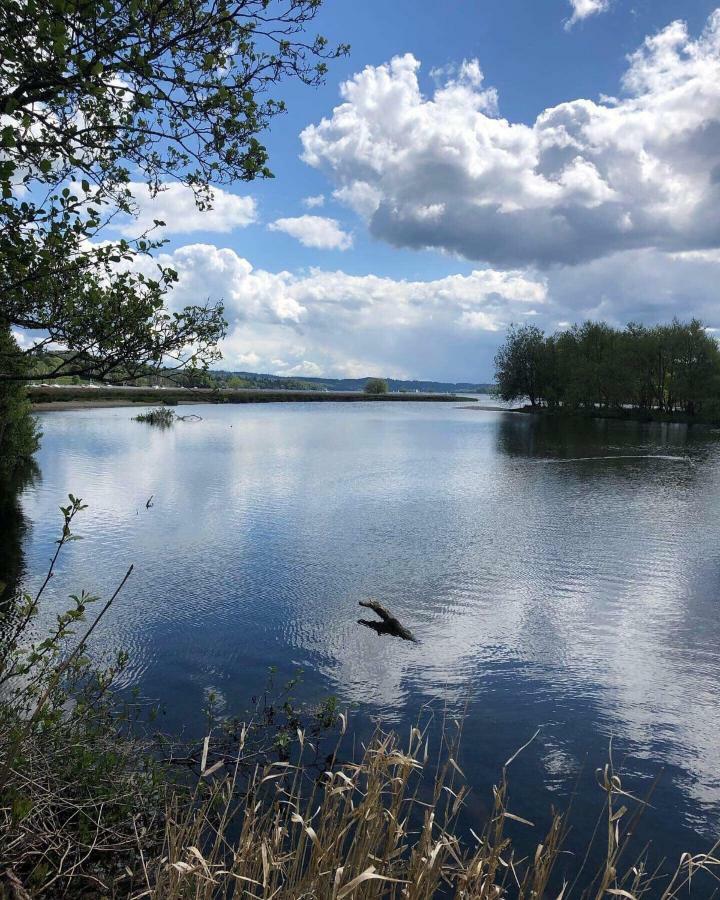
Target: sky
x: 470, y: 164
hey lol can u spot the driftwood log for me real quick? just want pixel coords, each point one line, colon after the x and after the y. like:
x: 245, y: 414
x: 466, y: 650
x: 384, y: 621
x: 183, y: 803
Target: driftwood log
x: 389, y: 624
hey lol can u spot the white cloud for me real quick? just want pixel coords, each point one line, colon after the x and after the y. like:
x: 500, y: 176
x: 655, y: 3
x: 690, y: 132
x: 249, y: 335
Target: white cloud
x: 582, y: 9
x: 360, y: 196
x: 334, y: 323
x: 305, y: 367
x: 23, y: 339
x: 585, y: 180
x: 314, y: 231
x: 315, y: 201
x: 175, y: 205
x: 638, y: 285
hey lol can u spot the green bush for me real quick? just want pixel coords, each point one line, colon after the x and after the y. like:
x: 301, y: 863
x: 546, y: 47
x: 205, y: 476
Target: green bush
x: 162, y: 417
x: 76, y: 787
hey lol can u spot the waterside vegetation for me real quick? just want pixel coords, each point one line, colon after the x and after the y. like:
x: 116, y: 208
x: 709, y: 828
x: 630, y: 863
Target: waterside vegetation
x: 667, y: 372
x: 375, y: 386
x: 19, y: 434
x: 162, y: 417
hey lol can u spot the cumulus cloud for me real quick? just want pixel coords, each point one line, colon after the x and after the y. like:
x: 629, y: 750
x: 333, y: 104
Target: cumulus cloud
x: 22, y: 338
x: 314, y: 231
x: 175, y: 205
x: 585, y: 180
x: 583, y: 9
x: 334, y: 323
x: 639, y: 285
x: 315, y: 201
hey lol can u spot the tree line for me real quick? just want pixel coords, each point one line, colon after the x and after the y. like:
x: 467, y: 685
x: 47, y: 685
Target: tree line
x: 667, y: 369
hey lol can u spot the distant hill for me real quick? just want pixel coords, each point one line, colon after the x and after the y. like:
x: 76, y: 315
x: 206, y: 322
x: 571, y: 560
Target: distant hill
x: 47, y: 362
x: 257, y: 379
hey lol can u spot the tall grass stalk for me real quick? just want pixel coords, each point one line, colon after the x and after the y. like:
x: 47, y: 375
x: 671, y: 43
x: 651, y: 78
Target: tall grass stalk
x: 369, y: 829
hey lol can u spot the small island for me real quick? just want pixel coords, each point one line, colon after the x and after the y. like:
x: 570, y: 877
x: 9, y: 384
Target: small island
x: 662, y: 373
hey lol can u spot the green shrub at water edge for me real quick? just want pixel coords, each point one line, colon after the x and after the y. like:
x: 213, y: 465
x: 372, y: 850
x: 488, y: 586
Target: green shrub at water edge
x: 162, y: 416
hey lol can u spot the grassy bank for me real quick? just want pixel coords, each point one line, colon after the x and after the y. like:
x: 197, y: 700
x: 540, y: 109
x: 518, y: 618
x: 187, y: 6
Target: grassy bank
x: 48, y: 397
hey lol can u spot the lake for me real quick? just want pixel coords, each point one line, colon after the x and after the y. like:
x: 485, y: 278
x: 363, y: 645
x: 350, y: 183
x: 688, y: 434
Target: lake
x: 558, y: 575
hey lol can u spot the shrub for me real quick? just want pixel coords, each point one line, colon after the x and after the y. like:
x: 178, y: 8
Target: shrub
x: 162, y: 417
x: 76, y: 787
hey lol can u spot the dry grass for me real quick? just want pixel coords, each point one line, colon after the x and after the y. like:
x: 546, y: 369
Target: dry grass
x: 387, y: 826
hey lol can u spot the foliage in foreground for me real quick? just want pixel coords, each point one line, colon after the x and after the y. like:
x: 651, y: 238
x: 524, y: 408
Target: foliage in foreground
x: 89, y: 807
x: 104, y: 105
x: 386, y: 825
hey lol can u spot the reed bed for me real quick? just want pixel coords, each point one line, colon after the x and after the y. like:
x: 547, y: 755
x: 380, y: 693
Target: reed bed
x: 388, y: 826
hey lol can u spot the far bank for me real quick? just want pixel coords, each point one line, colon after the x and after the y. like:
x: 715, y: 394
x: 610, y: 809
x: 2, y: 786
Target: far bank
x: 46, y: 398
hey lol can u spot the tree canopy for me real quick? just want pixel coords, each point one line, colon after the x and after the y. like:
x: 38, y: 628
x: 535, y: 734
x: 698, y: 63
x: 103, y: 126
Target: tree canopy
x: 19, y: 435
x: 667, y: 368
x: 376, y: 386
x: 97, y: 94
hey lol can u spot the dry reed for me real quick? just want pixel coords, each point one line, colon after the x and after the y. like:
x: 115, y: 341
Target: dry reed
x: 386, y: 826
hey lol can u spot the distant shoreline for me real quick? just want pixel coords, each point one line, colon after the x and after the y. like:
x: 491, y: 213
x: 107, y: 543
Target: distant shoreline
x: 68, y: 397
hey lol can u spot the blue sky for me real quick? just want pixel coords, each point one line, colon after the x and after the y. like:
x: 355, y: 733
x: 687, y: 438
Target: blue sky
x: 483, y: 177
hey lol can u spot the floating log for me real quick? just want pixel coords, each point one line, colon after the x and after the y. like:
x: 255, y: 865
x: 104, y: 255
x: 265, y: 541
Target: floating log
x: 389, y: 624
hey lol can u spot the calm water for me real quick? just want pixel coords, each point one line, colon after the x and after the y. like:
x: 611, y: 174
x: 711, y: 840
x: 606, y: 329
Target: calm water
x: 549, y: 583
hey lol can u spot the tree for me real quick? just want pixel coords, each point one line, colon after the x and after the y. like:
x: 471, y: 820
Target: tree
x: 19, y: 435
x: 95, y: 94
x: 666, y: 369
x: 518, y: 364
x: 376, y: 386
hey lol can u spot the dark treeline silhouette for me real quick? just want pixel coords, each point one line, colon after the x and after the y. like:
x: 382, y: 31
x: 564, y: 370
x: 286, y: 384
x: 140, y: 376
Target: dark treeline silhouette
x: 668, y: 369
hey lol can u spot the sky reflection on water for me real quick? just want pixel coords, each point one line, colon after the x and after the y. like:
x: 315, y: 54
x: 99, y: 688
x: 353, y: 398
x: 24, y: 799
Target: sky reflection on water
x: 581, y: 597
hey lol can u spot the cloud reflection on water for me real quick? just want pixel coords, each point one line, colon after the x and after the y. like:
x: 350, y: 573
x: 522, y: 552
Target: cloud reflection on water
x: 582, y: 595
